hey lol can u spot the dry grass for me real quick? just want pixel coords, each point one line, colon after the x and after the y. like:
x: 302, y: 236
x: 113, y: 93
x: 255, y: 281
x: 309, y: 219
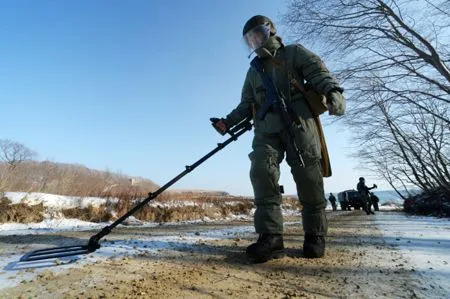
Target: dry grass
x: 21, y: 213
x: 77, y: 180
x: 291, y: 203
x: 91, y: 214
x: 168, y: 207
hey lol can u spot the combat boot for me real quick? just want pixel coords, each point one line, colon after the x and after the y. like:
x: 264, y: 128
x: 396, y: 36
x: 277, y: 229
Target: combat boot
x: 313, y: 246
x: 267, y: 247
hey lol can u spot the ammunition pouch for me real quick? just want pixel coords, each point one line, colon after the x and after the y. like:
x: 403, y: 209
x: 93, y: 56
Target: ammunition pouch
x: 316, y: 102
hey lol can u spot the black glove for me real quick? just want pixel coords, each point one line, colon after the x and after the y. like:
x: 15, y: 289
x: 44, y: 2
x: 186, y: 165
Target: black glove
x: 220, y: 125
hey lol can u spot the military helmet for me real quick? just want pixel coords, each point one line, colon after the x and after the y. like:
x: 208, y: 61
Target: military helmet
x: 259, y: 20
x: 361, y: 179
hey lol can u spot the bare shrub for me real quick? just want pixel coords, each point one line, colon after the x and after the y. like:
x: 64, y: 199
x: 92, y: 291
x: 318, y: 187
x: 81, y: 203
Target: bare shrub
x: 167, y: 207
x: 69, y: 179
x: 242, y: 208
x: 171, y: 214
x: 171, y: 207
x: 292, y: 203
x: 90, y: 213
x: 434, y: 203
x: 21, y: 213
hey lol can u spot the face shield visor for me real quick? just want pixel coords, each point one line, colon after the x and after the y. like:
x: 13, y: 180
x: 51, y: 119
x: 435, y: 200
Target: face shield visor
x: 257, y: 36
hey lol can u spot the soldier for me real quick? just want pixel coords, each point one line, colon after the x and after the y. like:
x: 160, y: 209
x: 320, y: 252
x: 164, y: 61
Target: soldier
x: 374, y: 200
x: 272, y: 138
x: 364, y: 195
x: 332, y: 200
x: 346, y: 203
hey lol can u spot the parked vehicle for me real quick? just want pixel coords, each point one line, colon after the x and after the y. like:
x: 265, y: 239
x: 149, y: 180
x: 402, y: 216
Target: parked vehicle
x: 348, y: 199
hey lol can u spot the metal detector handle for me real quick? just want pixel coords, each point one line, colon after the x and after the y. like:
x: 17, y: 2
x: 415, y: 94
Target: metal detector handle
x: 246, y: 123
x: 214, y: 121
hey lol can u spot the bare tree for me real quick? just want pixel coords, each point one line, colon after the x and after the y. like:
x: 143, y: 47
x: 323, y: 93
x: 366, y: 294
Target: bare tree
x: 393, y: 58
x: 409, y: 151
x: 68, y: 179
x: 13, y: 153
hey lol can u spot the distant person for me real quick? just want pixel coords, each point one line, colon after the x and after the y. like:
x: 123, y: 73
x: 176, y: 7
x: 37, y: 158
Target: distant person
x: 332, y: 200
x: 374, y: 200
x: 364, y: 195
x: 346, y: 202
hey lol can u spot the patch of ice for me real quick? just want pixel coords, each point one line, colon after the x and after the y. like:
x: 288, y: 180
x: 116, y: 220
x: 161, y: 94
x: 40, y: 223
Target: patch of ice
x: 425, y: 241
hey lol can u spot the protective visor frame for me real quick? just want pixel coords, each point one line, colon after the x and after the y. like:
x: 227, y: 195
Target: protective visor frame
x: 256, y: 37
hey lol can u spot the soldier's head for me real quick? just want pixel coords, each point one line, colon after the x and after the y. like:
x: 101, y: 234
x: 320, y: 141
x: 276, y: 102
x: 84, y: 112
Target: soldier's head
x: 257, y: 31
x: 361, y: 179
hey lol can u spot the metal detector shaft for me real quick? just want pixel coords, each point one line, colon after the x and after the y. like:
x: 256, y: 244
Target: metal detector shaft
x: 93, y: 243
x: 235, y: 133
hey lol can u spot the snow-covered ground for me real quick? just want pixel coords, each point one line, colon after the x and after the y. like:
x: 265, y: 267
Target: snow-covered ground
x: 12, y: 272
x: 424, y: 241
x: 55, y: 201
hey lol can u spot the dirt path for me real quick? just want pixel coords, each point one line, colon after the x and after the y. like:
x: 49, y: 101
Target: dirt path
x: 358, y: 264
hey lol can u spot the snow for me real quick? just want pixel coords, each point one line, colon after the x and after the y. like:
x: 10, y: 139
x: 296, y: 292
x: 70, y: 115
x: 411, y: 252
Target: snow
x: 425, y: 241
x: 48, y: 225
x: 422, y: 240
x: 390, y: 207
x: 54, y: 201
x: 14, y: 272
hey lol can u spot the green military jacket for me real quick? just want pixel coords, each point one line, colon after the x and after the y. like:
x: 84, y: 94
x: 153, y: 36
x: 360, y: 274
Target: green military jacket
x: 361, y: 187
x: 302, y: 65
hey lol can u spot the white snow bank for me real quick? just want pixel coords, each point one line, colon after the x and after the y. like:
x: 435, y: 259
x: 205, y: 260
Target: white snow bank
x: 391, y: 207
x: 54, y: 201
x: 46, y: 226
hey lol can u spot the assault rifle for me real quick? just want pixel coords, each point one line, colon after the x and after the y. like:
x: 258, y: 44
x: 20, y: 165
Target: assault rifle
x: 276, y: 101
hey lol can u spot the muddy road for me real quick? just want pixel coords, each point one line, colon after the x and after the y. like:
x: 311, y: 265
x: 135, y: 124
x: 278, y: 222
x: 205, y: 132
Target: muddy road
x: 207, y: 260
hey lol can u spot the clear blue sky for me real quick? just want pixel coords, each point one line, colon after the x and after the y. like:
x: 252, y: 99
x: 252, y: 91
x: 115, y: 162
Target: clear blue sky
x: 129, y: 86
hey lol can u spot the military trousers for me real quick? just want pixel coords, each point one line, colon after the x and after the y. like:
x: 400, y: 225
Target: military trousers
x: 365, y: 201
x: 268, y: 152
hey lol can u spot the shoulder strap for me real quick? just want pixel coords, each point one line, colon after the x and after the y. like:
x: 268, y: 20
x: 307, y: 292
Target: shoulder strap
x: 257, y: 65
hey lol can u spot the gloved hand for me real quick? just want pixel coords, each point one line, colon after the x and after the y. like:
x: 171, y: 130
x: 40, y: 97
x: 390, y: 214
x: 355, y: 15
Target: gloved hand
x: 219, y: 125
x: 375, y: 186
x: 336, y: 103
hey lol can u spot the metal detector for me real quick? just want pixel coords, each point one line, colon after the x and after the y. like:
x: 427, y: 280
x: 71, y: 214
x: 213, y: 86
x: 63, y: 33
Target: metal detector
x: 93, y: 244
